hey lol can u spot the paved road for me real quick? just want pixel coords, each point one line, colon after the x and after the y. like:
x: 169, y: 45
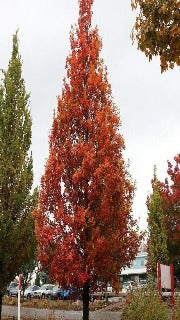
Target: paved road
x: 58, y: 314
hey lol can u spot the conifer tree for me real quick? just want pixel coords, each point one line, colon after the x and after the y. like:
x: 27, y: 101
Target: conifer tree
x: 84, y: 223
x: 17, y: 240
x: 157, y: 242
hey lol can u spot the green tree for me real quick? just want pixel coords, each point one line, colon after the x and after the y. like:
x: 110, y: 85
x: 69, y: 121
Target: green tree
x: 27, y: 272
x: 37, y: 280
x: 156, y: 30
x: 157, y: 243
x: 44, y: 277
x: 17, y: 240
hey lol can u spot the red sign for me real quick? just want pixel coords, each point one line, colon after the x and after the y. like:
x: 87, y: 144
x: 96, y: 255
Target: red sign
x: 20, y: 282
x: 165, y: 279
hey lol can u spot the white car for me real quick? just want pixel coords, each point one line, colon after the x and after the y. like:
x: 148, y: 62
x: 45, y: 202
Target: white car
x: 44, y: 291
x: 128, y: 286
x: 29, y: 292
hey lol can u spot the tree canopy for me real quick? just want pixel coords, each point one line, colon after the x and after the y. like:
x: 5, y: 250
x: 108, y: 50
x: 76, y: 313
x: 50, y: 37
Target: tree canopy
x: 170, y: 193
x: 157, y: 30
x: 84, y: 223
x: 164, y: 219
x: 157, y: 240
x: 16, y: 175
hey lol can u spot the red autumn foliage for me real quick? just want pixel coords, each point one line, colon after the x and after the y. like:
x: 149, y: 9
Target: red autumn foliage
x: 170, y: 193
x: 84, y: 223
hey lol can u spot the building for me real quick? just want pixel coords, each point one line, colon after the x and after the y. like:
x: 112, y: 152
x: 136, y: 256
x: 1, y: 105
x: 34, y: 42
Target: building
x: 137, y: 270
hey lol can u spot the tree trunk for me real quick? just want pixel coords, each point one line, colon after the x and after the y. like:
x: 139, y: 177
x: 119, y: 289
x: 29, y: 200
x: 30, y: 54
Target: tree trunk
x: 0, y: 304
x: 86, y: 300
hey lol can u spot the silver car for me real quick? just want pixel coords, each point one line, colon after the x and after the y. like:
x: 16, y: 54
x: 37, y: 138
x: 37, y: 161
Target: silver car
x: 13, y: 285
x: 44, y: 291
x: 30, y: 292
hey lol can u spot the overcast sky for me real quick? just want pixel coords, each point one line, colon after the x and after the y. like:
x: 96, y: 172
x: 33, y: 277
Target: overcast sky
x: 149, y: 102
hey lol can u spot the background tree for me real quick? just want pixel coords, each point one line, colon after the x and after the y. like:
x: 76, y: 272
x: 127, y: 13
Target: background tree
x: 157, y: 30
x: 84, y: 224
x: 17, y: 239
x: 27, y: 271
x: 170, y: 193
x: 42, y: 277
x: 157, y: 241
x: 38, y: 279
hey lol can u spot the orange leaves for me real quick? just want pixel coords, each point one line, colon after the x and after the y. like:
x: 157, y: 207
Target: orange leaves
x: 92, y: 77
x: 85, y: 195
x: 77, y: 176
x: 170, y: 193
x: 95, y: 45
x: 79, y: 218
x: 168, y: 196
x: 89, y: 125
x: 85, y: 14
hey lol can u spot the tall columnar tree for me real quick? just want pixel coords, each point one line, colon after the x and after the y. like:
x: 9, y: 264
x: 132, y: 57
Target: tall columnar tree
x: 157, y: 242
x: 17, y: 239
x: 170, y: 193
x: 84, y: 224
x: 157, y: 30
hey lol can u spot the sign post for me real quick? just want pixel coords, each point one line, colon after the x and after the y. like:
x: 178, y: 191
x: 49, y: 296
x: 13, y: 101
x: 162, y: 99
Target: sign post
x: 19, y: 296
x: 172, y: 289
x: 172, y: 284
x: 165, y: 280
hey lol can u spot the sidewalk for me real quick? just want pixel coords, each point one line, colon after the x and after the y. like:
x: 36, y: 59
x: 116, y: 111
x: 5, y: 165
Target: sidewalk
x: 32, y: 313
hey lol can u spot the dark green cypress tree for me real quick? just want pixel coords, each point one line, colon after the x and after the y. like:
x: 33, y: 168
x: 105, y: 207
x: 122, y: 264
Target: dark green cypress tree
x: 157, y: 242
x: 17, y: 240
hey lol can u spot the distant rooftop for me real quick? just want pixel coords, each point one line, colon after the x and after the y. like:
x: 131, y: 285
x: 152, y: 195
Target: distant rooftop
x: 138, y: 265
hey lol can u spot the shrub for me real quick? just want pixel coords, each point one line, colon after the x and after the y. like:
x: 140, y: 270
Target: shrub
x: 145, y: 305
x: 177, y: 309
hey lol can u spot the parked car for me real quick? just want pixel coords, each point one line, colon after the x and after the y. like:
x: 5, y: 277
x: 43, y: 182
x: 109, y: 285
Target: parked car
x: 12, y: 289
x: 58, y: 293
x: 43, y: 291
x: 142, y: 283
x: 55, y: 293
x: 65, y: 294
x: 29, y: 292
x: 128, y: 286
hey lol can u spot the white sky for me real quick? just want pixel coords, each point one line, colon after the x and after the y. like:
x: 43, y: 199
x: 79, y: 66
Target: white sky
x: 148, y: 100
